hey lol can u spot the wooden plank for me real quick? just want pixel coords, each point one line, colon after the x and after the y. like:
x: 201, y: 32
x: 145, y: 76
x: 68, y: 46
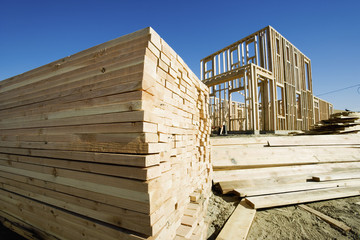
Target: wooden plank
x: 121, y: 41
x: 119, y: 107
x: 92, y: 87
x: 93, y: 80
x: 330, y: 220
x: 239, y: 223
x: 125, y: 219
x: 227, y: 187
x: 35, y: 109
x: 316, y: 141
x: 120, y: 171
x: 261, y: 173
x: 97, y: 157
x: 68, y: 68
x: 229, y: 158
x: 131, y: 147
x: 131, y: 190
x: 226, y: 141
x: 23, y: 228
x: 284, y: 199
x: 126, y: 127
x: 293, y: 187
x: 85, y: 137
x: 337, y: 176
x: 57, y: 222
x: 83, y: 193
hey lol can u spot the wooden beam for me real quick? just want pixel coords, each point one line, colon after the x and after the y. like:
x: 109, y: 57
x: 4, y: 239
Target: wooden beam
x: 301, y: 197
x: 337, y: 176
x: 315, y: 141
x: 292, y: 187
x: 228, y: 157
x: 274, y: 172
x: 239, y: 223
x: 330, y: 220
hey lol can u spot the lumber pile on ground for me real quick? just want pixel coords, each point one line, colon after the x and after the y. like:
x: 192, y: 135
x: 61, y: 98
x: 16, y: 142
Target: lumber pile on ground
x: 338, y: 123
x: 109, y: 143
x: 278, y: 171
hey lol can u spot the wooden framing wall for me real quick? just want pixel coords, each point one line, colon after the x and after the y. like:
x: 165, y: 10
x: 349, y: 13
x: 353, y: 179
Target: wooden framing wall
x: 322, y: 109
x: 109, y: 143
x: 268, y: 76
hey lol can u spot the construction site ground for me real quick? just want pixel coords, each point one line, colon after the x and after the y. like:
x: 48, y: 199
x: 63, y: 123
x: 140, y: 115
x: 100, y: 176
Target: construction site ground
x: 289, y: 222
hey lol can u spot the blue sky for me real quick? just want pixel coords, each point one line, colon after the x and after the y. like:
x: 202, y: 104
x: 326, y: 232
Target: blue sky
x: 34, y: 33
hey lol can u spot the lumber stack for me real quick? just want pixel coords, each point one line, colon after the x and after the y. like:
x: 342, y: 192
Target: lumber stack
x: 109, y: 143
x: 338, y: 123
x: 276, y: 171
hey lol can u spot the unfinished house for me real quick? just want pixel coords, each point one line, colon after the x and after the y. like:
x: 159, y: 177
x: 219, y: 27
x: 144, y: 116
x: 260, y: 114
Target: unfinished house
x: 262, y: 83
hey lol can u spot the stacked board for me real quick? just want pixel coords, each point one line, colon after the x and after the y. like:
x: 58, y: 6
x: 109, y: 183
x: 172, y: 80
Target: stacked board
x: 109, y: 143
x: 276, y: 171
x: 338, y: 123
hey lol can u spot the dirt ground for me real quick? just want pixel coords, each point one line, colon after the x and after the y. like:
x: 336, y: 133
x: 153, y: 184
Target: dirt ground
x: 290, y: 222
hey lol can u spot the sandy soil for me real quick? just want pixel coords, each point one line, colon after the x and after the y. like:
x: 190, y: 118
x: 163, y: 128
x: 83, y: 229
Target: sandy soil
x: 290, y: 222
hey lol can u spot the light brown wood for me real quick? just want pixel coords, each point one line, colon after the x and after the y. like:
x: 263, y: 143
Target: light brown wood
x: 337, y: 176
x: 330, y: 220
x: 271, y: 81
x: 301, y: 197
x: 352, y: 140
x: 293, y: 187
x: 109, y: 143
x: 273, y: 172
x: 239, y: 223
x: 230, y: 157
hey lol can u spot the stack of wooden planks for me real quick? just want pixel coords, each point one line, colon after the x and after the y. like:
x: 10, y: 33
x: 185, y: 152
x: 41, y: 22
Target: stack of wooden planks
x: 277, y: 171
x: 338, y: 123
x: 109, y: 143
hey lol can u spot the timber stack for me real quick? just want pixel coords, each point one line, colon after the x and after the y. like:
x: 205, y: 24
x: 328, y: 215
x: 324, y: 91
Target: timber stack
x: 338, y: 123
x: 109, y: 143
x: 284, y: 170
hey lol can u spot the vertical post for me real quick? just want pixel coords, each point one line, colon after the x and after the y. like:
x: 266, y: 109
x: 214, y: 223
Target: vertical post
x: 239, y: 58
x: 246, y: 108
x: 214, y: 66
x: 219, y: 65
x: 256, y: 49
x: 201, y: 70
x: 242, y: 54
x: 273, y: 104
x: 266, y: 104
x: 230, y: 86
x: 228, y: 60
x: 265, y: 36
x: 224, y: 69
x: 254, y: 100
